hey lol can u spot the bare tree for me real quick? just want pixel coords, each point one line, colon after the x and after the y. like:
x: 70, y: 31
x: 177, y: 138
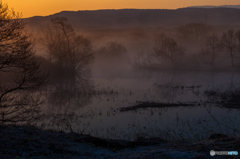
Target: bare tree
x: 213, y: 44
x: 167, y: 48
x: 228, y: 43
x: 65, y: 48
x: 19, y: 71
x: 237, y: 34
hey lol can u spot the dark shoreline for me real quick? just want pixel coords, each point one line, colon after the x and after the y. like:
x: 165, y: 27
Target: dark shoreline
x: 30, y: 142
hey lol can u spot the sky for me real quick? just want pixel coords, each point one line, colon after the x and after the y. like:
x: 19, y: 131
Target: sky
x: 31, y: 8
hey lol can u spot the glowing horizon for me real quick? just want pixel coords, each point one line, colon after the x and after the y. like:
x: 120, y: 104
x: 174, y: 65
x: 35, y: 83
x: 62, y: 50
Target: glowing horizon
x: 31, y: 8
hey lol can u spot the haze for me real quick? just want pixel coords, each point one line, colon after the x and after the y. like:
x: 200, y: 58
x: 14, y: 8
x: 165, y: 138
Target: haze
x: 45, y: 7
x: 139, y: 74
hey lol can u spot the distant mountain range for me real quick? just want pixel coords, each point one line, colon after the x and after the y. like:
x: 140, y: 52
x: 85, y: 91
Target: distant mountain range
x: 128, y: 18
x: 223, y: 6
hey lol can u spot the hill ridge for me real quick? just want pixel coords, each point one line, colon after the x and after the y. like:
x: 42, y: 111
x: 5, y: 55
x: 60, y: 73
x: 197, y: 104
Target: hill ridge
x: 128, y: 18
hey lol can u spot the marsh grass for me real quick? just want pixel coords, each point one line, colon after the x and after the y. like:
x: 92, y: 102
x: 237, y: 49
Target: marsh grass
x: 81, y: 120
x: 183, y: 131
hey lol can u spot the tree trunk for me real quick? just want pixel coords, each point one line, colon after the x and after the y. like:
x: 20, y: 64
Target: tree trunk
x: 232, y: 59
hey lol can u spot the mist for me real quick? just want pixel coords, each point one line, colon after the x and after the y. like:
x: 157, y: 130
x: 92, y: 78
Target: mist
x: 150, y: 69
x: 129, y: 83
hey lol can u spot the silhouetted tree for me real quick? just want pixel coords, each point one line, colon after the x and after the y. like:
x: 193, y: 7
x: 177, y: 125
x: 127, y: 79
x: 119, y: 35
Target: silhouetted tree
x: 167, y: 48
x: 19, y: 71
x: 213, y: 44
x: 65, y: 48
x: 237, y: 34
x: 228, y: 43
x: 70, y: 54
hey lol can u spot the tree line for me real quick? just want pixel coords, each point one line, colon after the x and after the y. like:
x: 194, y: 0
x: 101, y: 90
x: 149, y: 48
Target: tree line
x: 167, y: 50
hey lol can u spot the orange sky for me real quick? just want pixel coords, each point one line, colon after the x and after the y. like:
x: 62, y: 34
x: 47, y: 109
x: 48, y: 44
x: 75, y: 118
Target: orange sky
x: 46, y: 7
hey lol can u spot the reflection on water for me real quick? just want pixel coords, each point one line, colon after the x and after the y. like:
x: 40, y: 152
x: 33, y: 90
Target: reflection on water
x: 67, y: 93
x: 74, y: 104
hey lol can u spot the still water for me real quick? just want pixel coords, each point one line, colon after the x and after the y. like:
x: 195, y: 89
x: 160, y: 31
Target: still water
x: 92, y: 105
